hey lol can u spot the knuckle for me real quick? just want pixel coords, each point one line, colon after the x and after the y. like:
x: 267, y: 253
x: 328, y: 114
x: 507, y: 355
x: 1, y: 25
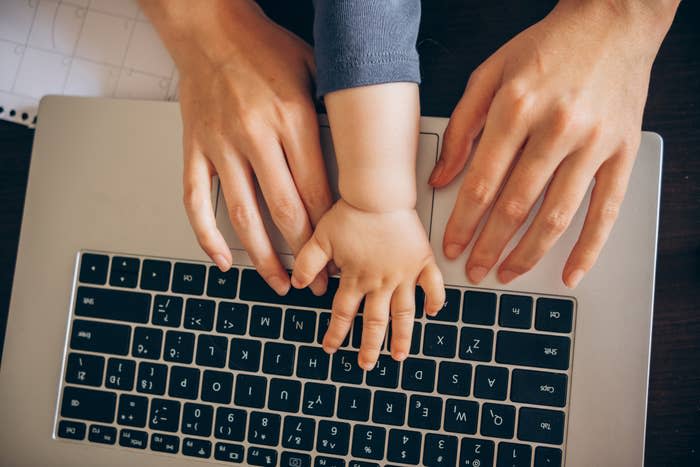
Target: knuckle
x: 610, y: 209
x: 252, y: 125
x: 517, y: 97
x: 477, y: 75
x: 476, y: 191
x: 242, y: 216
x: 563, y: 120
x: 556, y: 222
x: 403, y: 312
x: 287, y: 213
x: 513, y: 210
x: 376, y: 321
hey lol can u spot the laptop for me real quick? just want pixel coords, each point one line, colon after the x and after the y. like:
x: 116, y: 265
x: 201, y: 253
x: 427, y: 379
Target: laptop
x: 126, y: 346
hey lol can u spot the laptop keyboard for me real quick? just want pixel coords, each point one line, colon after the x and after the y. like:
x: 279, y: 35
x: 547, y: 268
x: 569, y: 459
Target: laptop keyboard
x: 179, y: 358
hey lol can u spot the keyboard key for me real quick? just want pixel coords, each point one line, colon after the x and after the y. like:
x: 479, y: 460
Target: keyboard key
x: 222, y: 284
x: 244, y: 354
x: 147, y: 343
x: 461, y: 416
x: 155, y: 275
x: 102, y: 434
x: 278, y: 359
x: 389, y: 408
x: 355, y: 463
x: 165, y: 443
x: 165, y: 415
x: 84, y: 369
x: 475, y: 344
x: 117, y: 305
x: 255, y: 289
x: 167, y: 311
x: 333, y: 437
x: 418, y: 375
x: 323, y: 461
x: 184, y: 382
x: 188, y: 278
x: 450, y: 309
x: 211, y: 350
x: 440, y: 450
x: 554, y: 315
x: 385, y: 373
x: 541, y: 425
x: 497, y: 420
x: 323, y: 322
x: 515, y: 311
x: 454, y: 379
x: 312, y: 363
x: 479, y: 308
x: 262, y: 456
x: 264, y: 428
x: 547, y: 457
x: 538, y: 350
x: 416, y: 338
x: 440, y: 340
x: 318, y: 399
x: 345, y: 369
x: 232, y: 318
x: 71, y: 430
x: 514, y: 455
x: 295, y: 459
x: 538, y: 387
x: 298, y: 433
x: 120, y: 374
x: 353, y: 403
x: 217, y: 386
x: 491, y: 382
x: 250, y: 391
x: 425, y: 412
x: 125, y: 271
x: 199, y: 314
x: 133, y: 439
x: 368, y: 442
x: 197, y: 419
x: 265, y: 321
x: 179, y: 347
x: 285, y: 395
x: 151, y: 378
x: 93, y: 268
x: 357, y: 326
x: 476, y: 452
x: 100, y: 337
x: 230, y: 424
x: 404, y: 446
x: 299, y: 325
x: 132, y: 410
x: 228, y: 452
x: 88, y: 404
x: 196, y: 448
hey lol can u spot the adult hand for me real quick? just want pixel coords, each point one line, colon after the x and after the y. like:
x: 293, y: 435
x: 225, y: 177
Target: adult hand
x: 559, y: 105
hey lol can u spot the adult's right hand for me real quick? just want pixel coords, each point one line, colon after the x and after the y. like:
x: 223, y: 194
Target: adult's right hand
x: 246, y: 89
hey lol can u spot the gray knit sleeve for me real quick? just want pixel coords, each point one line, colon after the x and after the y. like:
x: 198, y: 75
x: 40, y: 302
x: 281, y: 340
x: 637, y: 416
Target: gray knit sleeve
x: 363, y: 42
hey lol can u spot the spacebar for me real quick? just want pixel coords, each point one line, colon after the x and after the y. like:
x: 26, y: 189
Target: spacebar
x: 255, y: 289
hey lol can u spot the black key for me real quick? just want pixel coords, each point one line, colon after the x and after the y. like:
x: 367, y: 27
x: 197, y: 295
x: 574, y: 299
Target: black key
x: 255, y: 289
x: 222, y: 284
x: 547, y: 457
x: 179, y: 347
x: 353, y: 403
x: 404, y: 446
x: 151, y: 378
x: 196, y: 448
x: 420, y: 302
x: 418, y: 375
x: 299, y: 325
x: 514, y: 455
x: 368, y: 442
x: 120, y: 374
x: 264, y: 428
x: 454, y: 378
x: 232, y: 318
x: 415, y: 338
x: 538, y: 387
x: 93, y: 268
x: 389, y: 408
x: 472, y: 450
x: 323, y: 461
x: 100, y: 337
x: 515, y: 311
x: 541, y: 425
x: 425, y: 412
x: 228, y: 452
x: 385, y: 373
x: 261, y: 456
x: 450, y: 309
x: 357, y: 326
x: 88, y: 404
x: 116, y: 305
x: 312, y: 363
x: 165, y: 443
x: 217, y: 386
x: 491, y: 382
x: 250, y: 391
x: 345, y: 369
x: 188, y: 278
x: 278, y: 359
x: 323, y: 322
x: 461, y: 416
x: 211, y: 350
x: 265, y: 321
x: 230, y: 424
x: 184, y: 382
x: 133, y: 439
x: 84, y: 369
x: 164, y: 415
x: 554, y: 315
x: 132, y: 410
x: 167, y: 311
x: 147, y: 343
x: 244, y: 354
x: 319, y: 399
x: 199, y: 314
x: 354, y: 463
x: 285, y: 395
x: 155, y: 275
x: 333, y: 437
x: 479, y: 307
x: 440, y: 340
x: 298, y: 433
x: 538, y: 350
x: 440, y: 450
x: 475, y: 344
x: 497, y: 420
x: 197, y: 419
x: 71, y: 430
x: 295, y: 459
x: 102, y: 434
x: 125, y: 271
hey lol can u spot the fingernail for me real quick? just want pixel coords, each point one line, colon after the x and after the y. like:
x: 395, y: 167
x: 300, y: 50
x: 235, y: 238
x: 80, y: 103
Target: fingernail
x: 329, y: 350
x: 295, y: 283
x: 280, y: 285
x: 367, y: 366
x: 221, y: 262
x: 453, y: 250
x: 574, y: 278
x: 400, y: 357
x: 507, y: 276
x: 477, y: 274
x: 437, y: 171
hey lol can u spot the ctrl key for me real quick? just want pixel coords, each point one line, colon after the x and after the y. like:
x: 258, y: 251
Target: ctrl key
x: 228, y: 452
x: 165, y: 443
x: 133, y: 439
x: 71, y: 430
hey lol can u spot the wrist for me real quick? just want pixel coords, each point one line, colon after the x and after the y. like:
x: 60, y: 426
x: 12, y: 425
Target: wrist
x: 378, y: 189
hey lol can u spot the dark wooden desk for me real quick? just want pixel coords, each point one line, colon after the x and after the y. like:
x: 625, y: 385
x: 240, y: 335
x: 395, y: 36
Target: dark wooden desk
x: 455, y: 37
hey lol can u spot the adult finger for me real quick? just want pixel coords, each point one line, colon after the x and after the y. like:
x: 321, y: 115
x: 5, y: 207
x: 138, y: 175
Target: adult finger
x: 345, y: 304
x: 430, y: 280
x: 375, y: 320
x: 403, y: 311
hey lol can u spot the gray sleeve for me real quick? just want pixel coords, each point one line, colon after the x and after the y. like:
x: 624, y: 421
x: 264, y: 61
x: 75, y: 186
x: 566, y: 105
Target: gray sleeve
x: 363, y: 42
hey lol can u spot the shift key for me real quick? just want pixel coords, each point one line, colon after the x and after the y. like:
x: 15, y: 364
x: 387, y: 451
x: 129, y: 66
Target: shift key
x: 100, y: 337
x: 538, y: 350
x: 118, y: 305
